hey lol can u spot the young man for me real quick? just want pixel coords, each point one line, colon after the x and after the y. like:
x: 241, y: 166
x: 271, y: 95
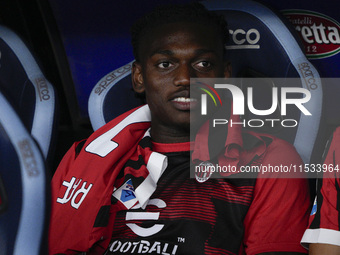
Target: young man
x: 127, y: 190
x: 323, y: 234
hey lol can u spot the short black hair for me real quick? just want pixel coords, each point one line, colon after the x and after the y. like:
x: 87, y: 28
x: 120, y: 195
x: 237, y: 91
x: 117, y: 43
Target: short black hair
x: 192, y: 12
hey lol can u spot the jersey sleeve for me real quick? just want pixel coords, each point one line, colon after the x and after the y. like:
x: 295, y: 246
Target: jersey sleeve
x: 56, y: 225
x: 324, y: 220
x: 64, y: 166
x: 278, y: 215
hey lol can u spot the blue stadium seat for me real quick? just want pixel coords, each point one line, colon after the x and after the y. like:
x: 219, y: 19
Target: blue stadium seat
x: 261, y: 45
x: 28, y: 91
x: 24, y: 188
x: 112, y: 96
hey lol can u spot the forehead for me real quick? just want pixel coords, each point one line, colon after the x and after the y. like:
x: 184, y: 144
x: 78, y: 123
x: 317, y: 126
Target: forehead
x: 183, y: 34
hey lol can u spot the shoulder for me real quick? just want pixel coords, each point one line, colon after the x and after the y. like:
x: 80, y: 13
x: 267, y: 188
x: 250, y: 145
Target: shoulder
x: 134, y: 120
x: 275, y: 146
x: 279, y: 158
x: 334, y: 142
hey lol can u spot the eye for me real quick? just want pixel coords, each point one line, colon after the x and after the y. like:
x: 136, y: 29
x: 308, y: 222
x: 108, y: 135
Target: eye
x: 203, y: 64
x: 165, y: 65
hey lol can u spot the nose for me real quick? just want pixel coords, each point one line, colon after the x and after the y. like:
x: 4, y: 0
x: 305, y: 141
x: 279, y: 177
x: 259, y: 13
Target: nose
x: 183, y: 75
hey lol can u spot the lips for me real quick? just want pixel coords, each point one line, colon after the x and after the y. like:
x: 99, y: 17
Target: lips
x: 184, y: 103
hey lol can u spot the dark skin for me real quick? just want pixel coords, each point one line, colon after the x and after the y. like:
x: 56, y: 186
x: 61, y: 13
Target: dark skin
x: 321, y: 249
x: 169, y: 58
x: 170, y: 55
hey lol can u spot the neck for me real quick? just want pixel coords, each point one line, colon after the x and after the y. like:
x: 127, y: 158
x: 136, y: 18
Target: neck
x: 169, y: 135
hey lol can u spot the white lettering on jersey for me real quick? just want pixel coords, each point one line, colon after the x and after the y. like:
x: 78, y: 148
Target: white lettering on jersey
x: 70, y: 193
x: 104, y: 144
x: 143, y: 246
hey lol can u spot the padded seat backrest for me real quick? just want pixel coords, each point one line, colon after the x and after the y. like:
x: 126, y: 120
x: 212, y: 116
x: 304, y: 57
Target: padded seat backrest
x: 28, y: 91
x: 263, y: 42
x: 24, y: 188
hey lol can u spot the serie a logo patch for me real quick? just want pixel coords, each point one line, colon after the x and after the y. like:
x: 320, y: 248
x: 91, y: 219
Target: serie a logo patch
x: 126, y: 194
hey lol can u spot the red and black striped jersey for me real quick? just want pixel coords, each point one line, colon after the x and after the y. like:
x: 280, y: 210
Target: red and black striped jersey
x: 324, y: 224
x: 117, y: 193
x: 218, y: 216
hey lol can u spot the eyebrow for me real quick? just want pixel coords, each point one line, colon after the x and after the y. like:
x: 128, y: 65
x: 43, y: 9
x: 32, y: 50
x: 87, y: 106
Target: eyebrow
x: 171, y: 53
x: 162, y: 52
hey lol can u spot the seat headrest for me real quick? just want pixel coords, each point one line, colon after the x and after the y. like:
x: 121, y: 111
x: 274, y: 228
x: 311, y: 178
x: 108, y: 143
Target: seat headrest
x: 26, y: 88
x: 112, y: 96
x: 260, y: 39
x: 23, y: 187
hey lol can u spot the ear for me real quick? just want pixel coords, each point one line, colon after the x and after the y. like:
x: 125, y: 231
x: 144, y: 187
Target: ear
x: 137, y: 78
x: 227, y: 70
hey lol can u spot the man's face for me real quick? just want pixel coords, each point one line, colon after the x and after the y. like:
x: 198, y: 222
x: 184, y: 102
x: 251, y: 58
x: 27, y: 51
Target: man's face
x: 170, y: 55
